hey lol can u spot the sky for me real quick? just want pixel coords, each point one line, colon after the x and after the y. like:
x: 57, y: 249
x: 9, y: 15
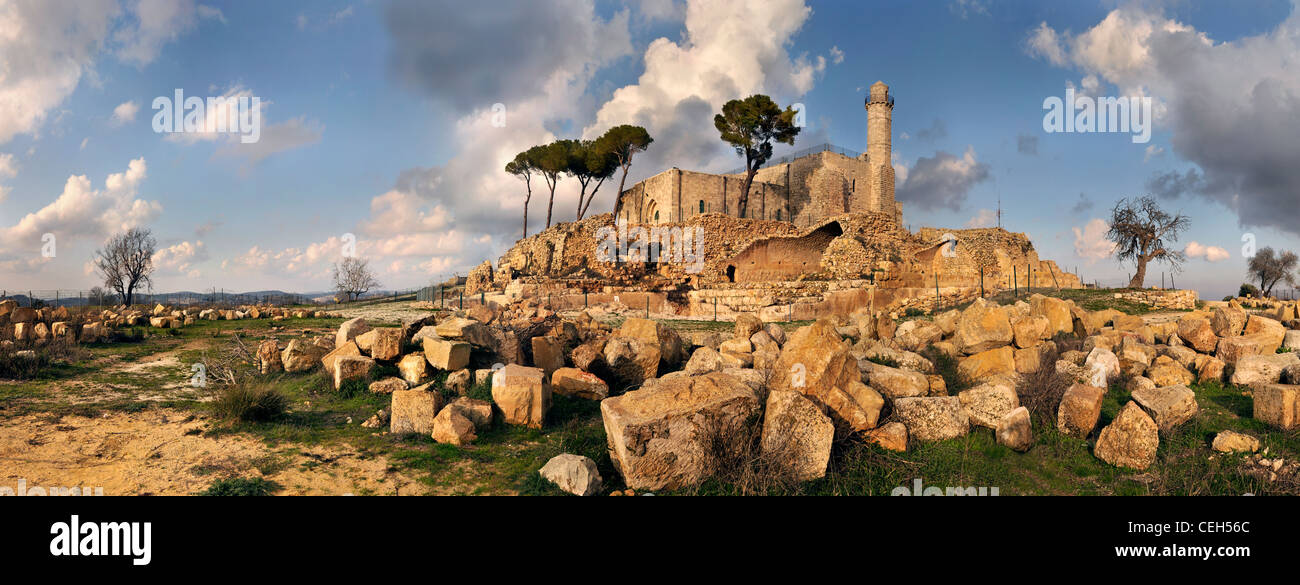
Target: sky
x: 385, y: 125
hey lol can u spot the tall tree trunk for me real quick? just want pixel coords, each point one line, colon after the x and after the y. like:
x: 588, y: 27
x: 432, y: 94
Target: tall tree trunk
x: 549, y: 206
x: 582, y: 194
x: 1141, y: 275
x: 743, y: 202
x: 618, y: 199
x: 587, y: 205
x: 527, y: 198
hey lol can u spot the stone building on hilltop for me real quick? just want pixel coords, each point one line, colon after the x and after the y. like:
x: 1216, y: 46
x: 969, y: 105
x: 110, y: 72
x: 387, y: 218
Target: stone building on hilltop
x: 804, y: 189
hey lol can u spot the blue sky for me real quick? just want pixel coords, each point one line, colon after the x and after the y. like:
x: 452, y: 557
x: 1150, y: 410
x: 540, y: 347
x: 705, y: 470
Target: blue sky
x: 377, y: 122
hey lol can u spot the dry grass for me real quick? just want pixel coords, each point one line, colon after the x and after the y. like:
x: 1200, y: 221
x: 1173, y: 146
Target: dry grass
x: 1040, y: 392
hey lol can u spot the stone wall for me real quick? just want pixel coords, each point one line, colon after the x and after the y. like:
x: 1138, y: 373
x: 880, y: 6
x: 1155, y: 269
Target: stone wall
x: 1161, y: 298
x: 1005, y: 259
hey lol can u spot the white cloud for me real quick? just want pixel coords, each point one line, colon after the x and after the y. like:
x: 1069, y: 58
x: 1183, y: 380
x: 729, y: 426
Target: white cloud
x: 1044, y: 42
x: 82, y: 212
x: 1090, y: 243
x: 1195, y: 249
x: 47, y: 47
x: 837, y: 56
x: 125, y: 113
x: 941, y: 181
x: 156, y: 23
x: 274, y: 138
x: 1152, y: 151
x: 982, y: 219
x: 8, y: 168
x: 179, y: 259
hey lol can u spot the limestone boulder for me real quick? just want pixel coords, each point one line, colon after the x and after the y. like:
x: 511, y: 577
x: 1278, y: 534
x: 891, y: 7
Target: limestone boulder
x: 891, y: 436
x: 815, y: 362
x: 933, y: 418
x: 388, y: 385
x: 349, y: 330
x: 1233, y: 349
x: 1056, y: 311
x: 661, y: 437
x: 477, y: 411
x: 1030, y: 359
x: 671, y: 349
x: 452, y: 427
x: 631, y: 361
x: 382, y: 343
x: 1198, y: 334
x: 268, y: 357
x: 797, y: 434
x: 917, y: 335
x: 1030, y: 330
x: 1168, y: 406
x: 1277, y: 405
x: 747, y: 324
x: 1229, y: 320
x: 1130, y: 440
x: 988, y: 363
x: 413, y: 411
x: 459, y: 381
x: 1164, y: 371
x: 987, y: 403
x: 1014, y: 431
x: 522, y: 394
x: 1263, y: 369
x: 548, y: 354
x: 1234, y: 442
x: 573, y: 474
x: 983, y: 326
x: 1101, y: 367
x: 1209, y: 368
x: 894, y: 382
x: 414, y: 368
x: 703, y: 360
x: 349, y: 368
x: 1079, y: 410
x: 578, y: 384
x: 301, y: 355
x: 445, y: 354
x: 348, y: 349
x: 907, y: 360
x: 1270, y: 331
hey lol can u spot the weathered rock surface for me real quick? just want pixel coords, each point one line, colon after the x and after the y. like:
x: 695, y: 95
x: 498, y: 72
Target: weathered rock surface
x: 797, y: 433
x: 933, y: 418
x: 413, y: 411
x: 1130, y: 440
x: 1168, y: 406
x: 1277, y: 405
x: 1079, y: 410
x: 1014, y: 430
x: 522, y: 394
x: 574, y: 474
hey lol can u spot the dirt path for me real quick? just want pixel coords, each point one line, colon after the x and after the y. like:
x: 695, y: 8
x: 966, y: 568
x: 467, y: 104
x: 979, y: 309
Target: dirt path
x: 163, y: 452
x: 386, y: 312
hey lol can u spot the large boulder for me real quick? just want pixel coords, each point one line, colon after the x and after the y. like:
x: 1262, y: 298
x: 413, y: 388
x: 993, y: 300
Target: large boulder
x: 348, y: 349
x: 445, y: 354
x: 1130, y: 440
x: 578, y: 384
x: 1169, y: 406
x: 453, y: 427
x: 671, y: 349
x: 268, y: 356
x: 1014, y: 431
x: 1056, y: 311
x: 933, y: 418
x: 1164, y: 371
x: 631, y: 360
x: 1198, y: 334
x: 548, y: 354
x: 1270, y: 331
x: 894, y: 382
x: 796, y: 432
x: 1079, y: 410
x: 414, y: 368
x: 1101, y: 367
x: 574, y: 474
x: 983, y: 326
x: 987, y: 403
x: 1277, y: 405
x: 917, y: 335
x: 662, y: 436
x: 413, y: 410
x: 815, y: 362
x: 349, y: 368
x: 1030, y: 330
x: 988, y: 363
x: 349, y: 330
x: 1263, y: 369
x: 1234, y: 442
x: 1229, y: 320
x: 301, y: 355
x: 879, y: 352
x: 522, y: 394
x: 382, y: 343
x: 703, y: 361
x: 747, y: 324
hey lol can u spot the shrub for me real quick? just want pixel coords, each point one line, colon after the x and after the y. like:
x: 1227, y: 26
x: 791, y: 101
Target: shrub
x: 1040, y: 392
x: 241, y: 486
x: 740, y: 465
x: 250, y: 403
x: 24, y: 367
x: 1248, y: 290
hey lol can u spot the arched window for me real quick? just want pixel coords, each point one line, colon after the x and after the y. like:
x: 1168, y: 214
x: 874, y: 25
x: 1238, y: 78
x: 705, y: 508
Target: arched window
x: 656, y: 217
x: 701, y: 206
x: 778, y: 215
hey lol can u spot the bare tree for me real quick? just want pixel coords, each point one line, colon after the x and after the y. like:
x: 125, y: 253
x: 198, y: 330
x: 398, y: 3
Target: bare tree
x: 1270, y: 268
x: 1141, y: 230
x: 126, y: 262
x: 352, y: 277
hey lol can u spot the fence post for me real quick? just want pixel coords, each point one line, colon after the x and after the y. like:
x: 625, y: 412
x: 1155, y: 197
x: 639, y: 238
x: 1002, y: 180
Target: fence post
x: 1015, y: 282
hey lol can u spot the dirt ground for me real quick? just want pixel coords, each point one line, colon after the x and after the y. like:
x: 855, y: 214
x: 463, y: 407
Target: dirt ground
x: 163, y: 452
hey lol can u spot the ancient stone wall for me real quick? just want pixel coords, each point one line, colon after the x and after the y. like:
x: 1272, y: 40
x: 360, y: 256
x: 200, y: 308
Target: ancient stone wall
x: 1162, y: 298
x: 1001, y: 258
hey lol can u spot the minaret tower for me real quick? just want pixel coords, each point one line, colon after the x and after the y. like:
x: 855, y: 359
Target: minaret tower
x: 880, y: 113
